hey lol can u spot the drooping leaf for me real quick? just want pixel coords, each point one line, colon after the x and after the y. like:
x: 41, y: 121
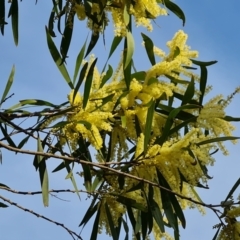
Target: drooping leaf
x: 43, y: 174
x: 8, y: 85
x: 51, y: 24
x: 148, y: 125
x: 36, y: 102
x: 13, y: 12
x: 125, y: 226
x: 80, y: 80
x: 67, y: 36
x: 2, y: 16
x: 218, y: 139
x: 90, y: 212
x: 203, y: 82
x: 6, y: 136
x: 58, y: 60
x: 79, y: 61
x: 175, y: 9
x: 61, y: 166
x: 148, y: 43
x: 110, y: 222
x: 95, y: 225
x: 157, y: 215
x: 88, y: 84
x: 3, y: 185
x: 133, y: 221
x: 93, y: 41
x: 87, y: 177
x: 129, y: 49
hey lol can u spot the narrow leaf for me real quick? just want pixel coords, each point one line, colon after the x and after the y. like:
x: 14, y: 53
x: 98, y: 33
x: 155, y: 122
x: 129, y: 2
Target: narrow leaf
x: 79, y: 61
x: 175, y: 9
x: 7, y: 137
x: 88, y: 84
x: 8, y: 85
x: 110, y: 222
x: 93, y: 41
x: 107, y: 76
x: 14, y: 17
x: 218, y: 139
x: 3, y: 205
x: 148, y: 125
x: 189, y: 93
x: 2, y: 16
x: 235, y: 186
x: 43, y: 174
x: 149, y: 48
x: 57, y: 59
x: 128, y: 50
x: 95, y: 226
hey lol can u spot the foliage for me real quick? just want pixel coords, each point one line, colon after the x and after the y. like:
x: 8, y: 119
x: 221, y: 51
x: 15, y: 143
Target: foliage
x: 144, y: 138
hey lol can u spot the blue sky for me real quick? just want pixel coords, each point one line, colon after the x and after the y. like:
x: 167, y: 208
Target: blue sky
x: 213, y: 30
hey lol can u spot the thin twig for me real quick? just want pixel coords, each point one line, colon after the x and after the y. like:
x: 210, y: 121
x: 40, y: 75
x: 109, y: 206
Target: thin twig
x: 43, y: 217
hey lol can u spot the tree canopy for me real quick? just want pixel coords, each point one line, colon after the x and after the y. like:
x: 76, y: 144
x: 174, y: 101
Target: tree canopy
x: 144, y: 138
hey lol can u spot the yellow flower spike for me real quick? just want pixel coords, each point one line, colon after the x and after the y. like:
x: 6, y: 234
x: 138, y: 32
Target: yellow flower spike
x: 140, y: 146
x: 80, y: 11
x: 77, y: 100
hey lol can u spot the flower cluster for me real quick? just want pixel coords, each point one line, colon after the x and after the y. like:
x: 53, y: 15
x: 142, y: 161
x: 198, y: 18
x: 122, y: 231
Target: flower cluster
x: 180, y: 157
x: 143, y: 11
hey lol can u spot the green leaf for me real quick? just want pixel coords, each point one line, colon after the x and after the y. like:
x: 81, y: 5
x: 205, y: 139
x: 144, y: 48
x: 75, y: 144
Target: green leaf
x: 166, y: 201
x: 61, y: 166
x: 90, y: 212
x: 148, y: 125
x: 96, y: 182
x: 218, y: 139
x: 235, y: 186
x: 57, y: 59
x: 2, y: 16
x: 189, y: 93
x: 203, y: 83
x: 144, y: 224
x: 60, y: 124
x: 133, y: 221
x: 3, y: 205
x: 107, y: 76
x: 216, y: 234
x: 87, y: 177
x: 176, y: 52
x: 110, y: 223
x: 175, y: 204
x: 79, y: 61
x: 6, y: 136
x: 36, y: 102
x: 136, y: 187
x: 149, y: 48
x: 231, y: 119
x: 131, y: 203
x: 125, y: 226
x: 8, y: 85
x: 43, y: 174
x: 93, y: 41
x: 95, y: 225
x: 200, y: 63
x: 88, y: 84
x: 23, y: 142
x: 168, y: 125
x: 80, y: 80
x: 157, y: 215
x: 129, y: 49
x: 140, y: 76
x: 126, y: 15
x: 67, y: 36
x: 175, y: 9
x: 51, y: 23
x: 114, y: 45
x: 13, y: 12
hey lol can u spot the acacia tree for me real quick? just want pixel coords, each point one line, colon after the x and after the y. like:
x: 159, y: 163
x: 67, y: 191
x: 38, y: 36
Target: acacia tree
x: 144, y: 138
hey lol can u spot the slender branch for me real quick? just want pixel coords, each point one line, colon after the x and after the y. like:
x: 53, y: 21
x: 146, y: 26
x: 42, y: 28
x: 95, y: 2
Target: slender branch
x: 41, y: 216
x: 103, y: 167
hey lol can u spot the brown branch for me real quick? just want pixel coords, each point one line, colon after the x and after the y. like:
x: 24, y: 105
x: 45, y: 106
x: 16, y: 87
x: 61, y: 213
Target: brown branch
x: 104, y: 167
x: 41, y: 216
